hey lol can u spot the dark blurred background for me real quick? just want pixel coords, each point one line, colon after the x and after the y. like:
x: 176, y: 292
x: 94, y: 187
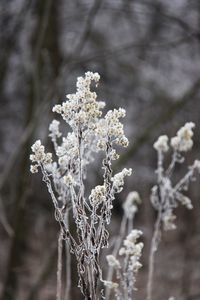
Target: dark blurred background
x: 148, y: 55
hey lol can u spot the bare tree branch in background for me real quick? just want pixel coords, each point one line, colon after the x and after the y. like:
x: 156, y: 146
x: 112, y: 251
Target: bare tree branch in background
x: 163, y: 118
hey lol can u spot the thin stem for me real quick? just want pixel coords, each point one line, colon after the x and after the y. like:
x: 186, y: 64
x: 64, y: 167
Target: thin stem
x: 184, y: 181
x: 153, y: 249
x: 59, y: 267
x: 172, y: 164
x: 68, y: 264
x: 115, y: 251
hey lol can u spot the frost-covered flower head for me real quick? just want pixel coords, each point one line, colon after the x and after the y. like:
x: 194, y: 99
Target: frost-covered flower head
x: 118, y: 179
x: 131, y: 247
x: 39, y: 157
x: 113, y: 262
x: 183, y: 140
x: 130, y: 205
x: 162, y: 144
x: 54, y: 130
x: 98, y: 195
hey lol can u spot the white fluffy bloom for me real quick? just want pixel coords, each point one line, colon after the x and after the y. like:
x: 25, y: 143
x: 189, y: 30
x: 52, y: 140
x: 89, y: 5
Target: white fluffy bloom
x: 54, y: 130
x: 98, y: 195
x: 183, y: 140
x: 113, y: 262
x: 134, y: 235
x: 69, y: 180
x: 111, y: 128
x: 131, y: 247
x: 130, y: 204
x: 118, y: 179
x: 81, y: 108
x: 39, y: 156
x: 161, y: 144
x: 132, y: 251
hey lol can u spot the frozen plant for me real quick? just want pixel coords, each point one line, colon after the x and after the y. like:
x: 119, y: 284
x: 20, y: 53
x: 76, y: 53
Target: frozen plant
x: 126, y: 271
x: 166, y: 195
x: 66, y: 176
x: 130, y: 207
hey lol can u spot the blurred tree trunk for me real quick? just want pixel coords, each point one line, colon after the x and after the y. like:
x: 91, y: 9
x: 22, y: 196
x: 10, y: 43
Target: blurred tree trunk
x: 45, y: 37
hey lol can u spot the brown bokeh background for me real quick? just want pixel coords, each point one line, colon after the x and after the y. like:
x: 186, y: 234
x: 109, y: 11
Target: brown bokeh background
x: 148, y: 55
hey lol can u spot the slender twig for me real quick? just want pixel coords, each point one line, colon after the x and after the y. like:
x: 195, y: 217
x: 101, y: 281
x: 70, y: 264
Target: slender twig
x: 153, y: 249
x: 59, y: 267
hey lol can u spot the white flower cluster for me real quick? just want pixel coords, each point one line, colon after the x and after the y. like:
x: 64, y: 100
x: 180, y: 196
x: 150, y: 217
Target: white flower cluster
x: 161, y: 144
x: 69, y: 180
x: 54, y: 130
x: 118, y: 179
x: 39, y: 157
x: 81, y: 109
x: 111, y: 129
x: 183, y: 140
x: 98, y: 195
x: 131, y: 247
x: 130, y: 204
x: 113, y: 262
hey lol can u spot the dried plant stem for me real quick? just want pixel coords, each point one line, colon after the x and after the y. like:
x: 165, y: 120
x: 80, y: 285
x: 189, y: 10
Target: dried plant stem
x: 68, y: 264
x: 115, y: 251
x: 68, y: 272
x: 59, y: 267
x: 92, y: 295
x: 153, y: 249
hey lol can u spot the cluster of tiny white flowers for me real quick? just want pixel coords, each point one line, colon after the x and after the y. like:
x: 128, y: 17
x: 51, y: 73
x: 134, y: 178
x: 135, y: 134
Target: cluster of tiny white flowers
x: 110, y: 128
x: 54, y: 130
x: 69, y: 180
x: 118, y: 179
x: 81, y: 109
x: 98, y: 194
x: 183, y: 140
x: 113, y: 262
x: 161, y: 144
x: 39, y: 157
x: 130, y: 204
x: 131, y: 247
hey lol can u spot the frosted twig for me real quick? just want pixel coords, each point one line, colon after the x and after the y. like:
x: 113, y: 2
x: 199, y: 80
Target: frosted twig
x: 59, y: 267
